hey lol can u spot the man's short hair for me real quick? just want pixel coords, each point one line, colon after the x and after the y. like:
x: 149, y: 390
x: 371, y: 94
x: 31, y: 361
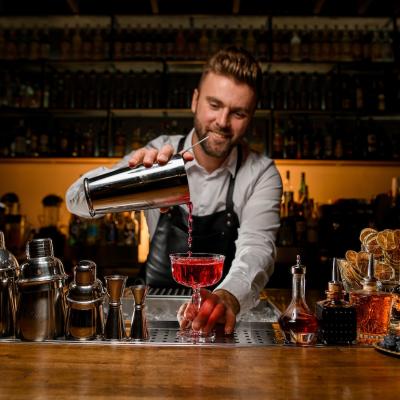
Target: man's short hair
x: 236, y: 63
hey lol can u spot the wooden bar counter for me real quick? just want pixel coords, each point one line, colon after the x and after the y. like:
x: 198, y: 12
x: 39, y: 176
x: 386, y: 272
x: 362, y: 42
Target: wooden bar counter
x: 84, y: 371
x: 122, y: 371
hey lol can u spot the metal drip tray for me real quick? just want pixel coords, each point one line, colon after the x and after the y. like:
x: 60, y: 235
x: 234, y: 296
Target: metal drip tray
x: 258, y: 327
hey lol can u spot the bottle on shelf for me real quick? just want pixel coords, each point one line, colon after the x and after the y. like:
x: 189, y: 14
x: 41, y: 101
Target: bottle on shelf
x: 302, y: 188
x: 298, y: 323
x: 204, y: 42
x: 337, y: 319
x: 34, y: 45
x: 290, y: 140
x: 277, y: 142
x: 373, y: 308
x: 288, y: 193
x: 287, y: 230
x: 295, y: 45
x: 306, y: 43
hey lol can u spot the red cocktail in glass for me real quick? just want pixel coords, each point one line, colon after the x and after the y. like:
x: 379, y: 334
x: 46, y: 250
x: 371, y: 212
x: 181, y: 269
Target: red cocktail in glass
x: 197, y: 270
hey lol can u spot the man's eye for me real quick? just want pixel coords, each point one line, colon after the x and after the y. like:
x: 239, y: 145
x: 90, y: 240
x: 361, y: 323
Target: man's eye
x: 214, y: 106
x: 240, y: 115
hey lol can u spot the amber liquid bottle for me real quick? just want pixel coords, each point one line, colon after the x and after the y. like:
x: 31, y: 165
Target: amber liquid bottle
x: 373, y: 308
x: 337, y: 318
x: 298, y: 323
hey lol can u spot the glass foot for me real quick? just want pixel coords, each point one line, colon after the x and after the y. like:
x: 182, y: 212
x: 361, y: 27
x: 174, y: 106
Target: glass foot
x: 191, y: 336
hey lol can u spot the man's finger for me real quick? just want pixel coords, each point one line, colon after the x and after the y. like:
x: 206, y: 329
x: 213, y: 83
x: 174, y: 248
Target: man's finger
x: 188, y: 156
x: 230, y: 322
x: 137, y: 157
x: 217, y: 313
x: 150, y: 157
x: 165, y: 154
x: 206, y: 309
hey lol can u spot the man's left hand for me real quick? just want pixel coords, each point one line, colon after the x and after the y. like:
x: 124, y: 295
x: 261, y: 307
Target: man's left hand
x: 216, y: 307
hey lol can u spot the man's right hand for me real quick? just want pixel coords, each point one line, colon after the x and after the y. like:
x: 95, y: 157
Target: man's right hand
x: 148, y: 157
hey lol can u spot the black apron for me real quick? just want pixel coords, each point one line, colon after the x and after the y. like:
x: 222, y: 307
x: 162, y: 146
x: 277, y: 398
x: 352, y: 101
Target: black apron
x: 214, y: 233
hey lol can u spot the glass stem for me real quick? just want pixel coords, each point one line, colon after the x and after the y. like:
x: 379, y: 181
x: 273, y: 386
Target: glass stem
x: 196, y: 299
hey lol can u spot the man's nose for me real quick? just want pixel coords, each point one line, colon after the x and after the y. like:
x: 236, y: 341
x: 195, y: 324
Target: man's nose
x: 223, y: 120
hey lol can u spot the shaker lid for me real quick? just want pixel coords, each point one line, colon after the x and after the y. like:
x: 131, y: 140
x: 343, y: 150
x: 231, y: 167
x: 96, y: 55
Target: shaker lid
x: 40, y: 266
x: 85, y: 273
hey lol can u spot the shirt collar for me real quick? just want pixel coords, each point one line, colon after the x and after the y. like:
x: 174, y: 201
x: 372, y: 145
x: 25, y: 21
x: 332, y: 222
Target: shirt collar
x: 229, y: 163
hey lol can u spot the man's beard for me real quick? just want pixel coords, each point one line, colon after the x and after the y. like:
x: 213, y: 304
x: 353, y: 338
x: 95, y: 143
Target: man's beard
x: 207, y: 145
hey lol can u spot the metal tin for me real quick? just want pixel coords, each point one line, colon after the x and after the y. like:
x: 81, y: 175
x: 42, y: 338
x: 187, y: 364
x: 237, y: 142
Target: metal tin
x: 139, y: 188
x: 41, y: 299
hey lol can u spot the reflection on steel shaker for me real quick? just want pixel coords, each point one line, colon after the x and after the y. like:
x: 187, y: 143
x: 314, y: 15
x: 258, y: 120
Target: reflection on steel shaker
x: 138, y: 188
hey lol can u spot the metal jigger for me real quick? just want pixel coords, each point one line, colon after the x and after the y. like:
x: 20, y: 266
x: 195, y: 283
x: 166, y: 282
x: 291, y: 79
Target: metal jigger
x: 139, y: 323
x: 115, y: 327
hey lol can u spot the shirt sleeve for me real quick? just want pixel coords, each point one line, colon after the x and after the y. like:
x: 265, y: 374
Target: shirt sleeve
x: 255, y: 247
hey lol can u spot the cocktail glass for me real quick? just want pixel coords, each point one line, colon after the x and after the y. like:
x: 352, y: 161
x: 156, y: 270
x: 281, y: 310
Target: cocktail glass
x: 196, y: 270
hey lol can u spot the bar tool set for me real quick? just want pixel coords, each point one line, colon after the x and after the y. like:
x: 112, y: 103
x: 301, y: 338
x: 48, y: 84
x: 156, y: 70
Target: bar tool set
x: 36, y: 304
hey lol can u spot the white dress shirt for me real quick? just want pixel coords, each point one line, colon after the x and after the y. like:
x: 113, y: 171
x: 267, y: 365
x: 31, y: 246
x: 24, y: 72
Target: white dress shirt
x: 256, y: 197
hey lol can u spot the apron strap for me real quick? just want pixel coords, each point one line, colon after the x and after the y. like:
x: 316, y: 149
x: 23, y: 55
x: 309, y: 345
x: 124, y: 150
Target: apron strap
x: 229, y: 195
x: 181, y: 143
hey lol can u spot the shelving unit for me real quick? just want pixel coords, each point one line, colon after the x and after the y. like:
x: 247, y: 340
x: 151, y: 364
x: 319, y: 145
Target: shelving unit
x: 140, y: 123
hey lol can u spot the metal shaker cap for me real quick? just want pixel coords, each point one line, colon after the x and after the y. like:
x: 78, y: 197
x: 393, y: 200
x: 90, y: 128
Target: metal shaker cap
x: 86, y: 291
x: 39, y: 248
x: 41, y: 266
x: 85, y: 273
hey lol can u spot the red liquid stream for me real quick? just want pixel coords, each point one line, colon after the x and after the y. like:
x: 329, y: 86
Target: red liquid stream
x: 190, y: 228
x: 197, y: 271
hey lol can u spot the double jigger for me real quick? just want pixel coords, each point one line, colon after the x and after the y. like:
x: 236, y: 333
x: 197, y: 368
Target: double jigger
x: 115, y: 327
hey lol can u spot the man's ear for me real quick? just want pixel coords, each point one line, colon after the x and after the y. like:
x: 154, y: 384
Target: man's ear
x: 195, y: 99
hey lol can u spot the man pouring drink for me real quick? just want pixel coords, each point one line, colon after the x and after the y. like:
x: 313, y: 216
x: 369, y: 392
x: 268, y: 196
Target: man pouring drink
x: 235, y: 194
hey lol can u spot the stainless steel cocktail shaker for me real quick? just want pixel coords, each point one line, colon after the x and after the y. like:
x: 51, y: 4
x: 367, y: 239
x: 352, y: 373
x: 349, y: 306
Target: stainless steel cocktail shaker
x: 85, y: 298
x: 9, y: 269
x: 41, y: 299
x: 138, y: 188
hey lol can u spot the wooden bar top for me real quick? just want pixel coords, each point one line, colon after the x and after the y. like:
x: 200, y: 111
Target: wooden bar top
x: 122, y: 371
x: 88, y: 371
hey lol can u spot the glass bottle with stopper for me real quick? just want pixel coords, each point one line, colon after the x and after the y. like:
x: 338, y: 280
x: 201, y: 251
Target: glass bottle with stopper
x: 337, y: 319
x: 298, y: 323
x: 373, y: 308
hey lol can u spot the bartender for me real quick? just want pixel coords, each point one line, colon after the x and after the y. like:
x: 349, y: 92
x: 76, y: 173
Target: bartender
x: 235, y: 193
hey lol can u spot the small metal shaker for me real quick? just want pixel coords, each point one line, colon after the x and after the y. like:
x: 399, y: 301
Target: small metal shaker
x: 139, y: 329
x: 115, y: 326
x: 139, y: 188
x: 41, y: 301
x: 85, y: 298
x: 9, y: 269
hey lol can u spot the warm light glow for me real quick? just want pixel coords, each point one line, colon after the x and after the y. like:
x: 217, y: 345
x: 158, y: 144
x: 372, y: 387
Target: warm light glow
x: 144, y: 240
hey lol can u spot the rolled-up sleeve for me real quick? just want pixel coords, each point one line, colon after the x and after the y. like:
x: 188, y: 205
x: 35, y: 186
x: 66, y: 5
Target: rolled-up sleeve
x: 259, y: 219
